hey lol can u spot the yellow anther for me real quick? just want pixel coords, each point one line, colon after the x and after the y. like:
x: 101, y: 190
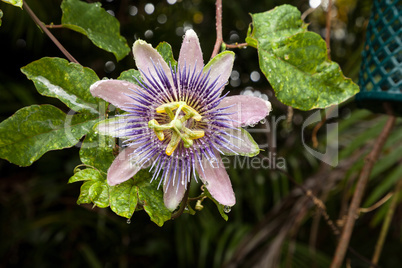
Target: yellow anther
x: 176, y: 125
x: 193, y: 113
x: 158, y: 129
x: 174, y: 142
x: 171, y: 106
x: 195, y: 134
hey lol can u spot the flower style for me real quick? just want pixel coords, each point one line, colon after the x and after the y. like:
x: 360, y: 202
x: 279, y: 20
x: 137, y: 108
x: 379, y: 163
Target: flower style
x: 178, y: 122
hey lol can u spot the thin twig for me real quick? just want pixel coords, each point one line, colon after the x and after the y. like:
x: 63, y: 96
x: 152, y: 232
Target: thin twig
x: 319, y: 125
x: 322, y: 209
x: 183, y: 203
x: 307, y: 12
x: 381, y: 202
x: 236, y: 45
x: 328, y: 29
x: 370, y: 160
x: 54, y: 26
x: 48, y: 33
x: 386, y: 224
x: 219, y: 38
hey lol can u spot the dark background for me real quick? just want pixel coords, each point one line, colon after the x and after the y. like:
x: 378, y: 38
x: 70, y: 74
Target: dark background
x: 42, y: 226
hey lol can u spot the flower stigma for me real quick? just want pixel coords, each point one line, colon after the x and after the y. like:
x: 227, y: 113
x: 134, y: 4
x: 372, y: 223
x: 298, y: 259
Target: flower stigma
x: 177, y: 125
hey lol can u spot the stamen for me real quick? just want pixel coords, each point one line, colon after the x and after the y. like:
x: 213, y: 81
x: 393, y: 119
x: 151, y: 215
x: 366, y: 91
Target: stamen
x: 176, y: 125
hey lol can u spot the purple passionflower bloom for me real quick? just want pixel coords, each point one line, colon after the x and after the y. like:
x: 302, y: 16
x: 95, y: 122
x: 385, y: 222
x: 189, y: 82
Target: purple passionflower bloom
x: 178, y: 123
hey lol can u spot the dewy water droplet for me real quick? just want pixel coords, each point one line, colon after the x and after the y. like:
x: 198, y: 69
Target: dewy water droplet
x: 128, y: 221
x: 227, y: 209
x: 263, y: 121
x: 206, y: 183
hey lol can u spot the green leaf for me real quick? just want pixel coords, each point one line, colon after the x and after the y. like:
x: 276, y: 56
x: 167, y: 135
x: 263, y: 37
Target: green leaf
x: 130, y: 75
x: 165, y: 50
x: 87, y: 174
x: 93, y: 21
x: 69, y: 82
x: 125, y: 197
x: 151, y: 198
x: 97, y: 151
x: 95, y: 188
x: 17, y: 3
x: 221, y: 208
x: 295, y: 61
x: 37, y: 129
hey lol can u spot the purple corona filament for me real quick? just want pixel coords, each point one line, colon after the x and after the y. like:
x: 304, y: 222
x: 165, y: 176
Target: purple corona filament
x: 177, y: 122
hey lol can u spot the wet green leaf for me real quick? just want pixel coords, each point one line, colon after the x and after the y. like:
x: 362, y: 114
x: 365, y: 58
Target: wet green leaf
x: 130, y: 75
x: 152, y: 198
x: 94, y: 189
x: 93, y: 21
x: 88, y: 174
x: 37, y: 129
x: 221, y: 208
x: 69, y: 82
x: 125, y: 197
x: 17, y: 3
x: 295, y: 61
x: 165, y: 50
x: 97, y: 151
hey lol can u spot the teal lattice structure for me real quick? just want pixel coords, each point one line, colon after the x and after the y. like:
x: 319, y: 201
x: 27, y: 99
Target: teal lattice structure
x: 380, y: 77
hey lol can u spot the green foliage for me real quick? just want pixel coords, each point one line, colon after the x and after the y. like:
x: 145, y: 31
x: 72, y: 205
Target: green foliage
x: 125, y: 197
x: 130, y: 75
x: 166, y: 51
x: 94, y: 189
x: 222, y: 209
x: 17, y: 3
x: 69, y: 82
x: 295, y: 61
x: 37, y: 129
x: 97, y: 151
x: 93, y: 21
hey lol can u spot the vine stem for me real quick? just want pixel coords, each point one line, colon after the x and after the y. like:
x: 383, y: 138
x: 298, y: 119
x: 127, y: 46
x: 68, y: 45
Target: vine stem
x: 328, y: 44
x: 370, y: 160
x: 219, y: 38
x: 47, y: 32
x: 386, y: 224
x: 237, y: 45
x: 328, y: 29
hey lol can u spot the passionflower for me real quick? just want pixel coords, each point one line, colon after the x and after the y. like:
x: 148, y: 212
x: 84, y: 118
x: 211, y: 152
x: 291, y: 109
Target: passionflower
x: 177, y: 123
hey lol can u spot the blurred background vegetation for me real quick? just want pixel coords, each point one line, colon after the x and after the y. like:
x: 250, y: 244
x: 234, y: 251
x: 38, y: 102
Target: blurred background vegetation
x: 273, y: 223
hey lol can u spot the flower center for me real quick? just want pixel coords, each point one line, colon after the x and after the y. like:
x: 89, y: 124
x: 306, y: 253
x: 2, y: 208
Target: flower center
x: 176, y: 125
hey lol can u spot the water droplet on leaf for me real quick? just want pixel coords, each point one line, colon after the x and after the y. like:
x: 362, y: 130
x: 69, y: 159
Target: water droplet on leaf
x: 128, y: 221
x: 227, y: 209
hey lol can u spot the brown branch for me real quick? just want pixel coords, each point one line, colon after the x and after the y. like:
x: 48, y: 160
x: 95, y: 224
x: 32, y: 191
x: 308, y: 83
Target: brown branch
x: 370, y: 160
x: 328, y: 29
x: 307, y: 12
x: 183, y: 203
x: 48, y: 33
x: 54, y: 26
x: 219, y: 38
x: 236, y: 45
x: 387, y: 222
